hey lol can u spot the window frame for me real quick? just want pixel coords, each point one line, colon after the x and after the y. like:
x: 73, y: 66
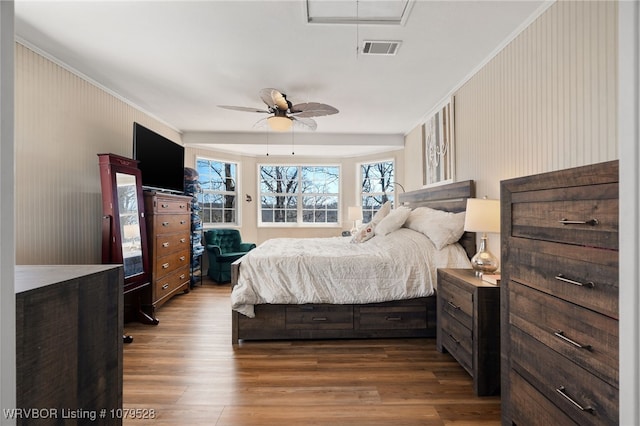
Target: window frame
x: 299, y: 223
x: 361, y: 194
x: 238, y: 204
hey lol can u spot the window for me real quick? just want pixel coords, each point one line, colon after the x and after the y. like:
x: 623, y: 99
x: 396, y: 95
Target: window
x: 298, y: 195
x: 218, y: 199
x: 377, y: 187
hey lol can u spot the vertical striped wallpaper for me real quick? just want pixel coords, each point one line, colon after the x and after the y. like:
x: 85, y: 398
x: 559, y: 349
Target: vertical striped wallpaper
x: 62, y: 123
x: 545, y: 102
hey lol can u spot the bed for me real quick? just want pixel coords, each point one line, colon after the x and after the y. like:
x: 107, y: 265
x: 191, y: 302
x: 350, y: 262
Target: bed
x: 270, y: 302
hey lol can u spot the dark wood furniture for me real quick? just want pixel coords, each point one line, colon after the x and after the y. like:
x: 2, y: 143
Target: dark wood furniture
x: 124, y: 237
x: 69, y: 324
x: 124, y: 233
x: 401, y: 318
x: 559, y: 296
x: 169, y: 226
x: 468, y: 312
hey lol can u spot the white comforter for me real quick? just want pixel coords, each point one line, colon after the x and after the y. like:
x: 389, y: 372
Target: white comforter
x: 400, y: 265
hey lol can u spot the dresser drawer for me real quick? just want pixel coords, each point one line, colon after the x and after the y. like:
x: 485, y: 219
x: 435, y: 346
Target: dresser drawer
x: 581, y: 215
x: 167, y: 264
x: 581, y: 395
x: 321, y: 317
x: 169, y: 283
x: 166, y: 205
x: 170, y: 243
x: 582, y: 275
x: 390, y: 318
x: 458, y: 340
x: 531, y: 408
x: 168, y: 224
x: 457, y: 302
x: 587, y: 338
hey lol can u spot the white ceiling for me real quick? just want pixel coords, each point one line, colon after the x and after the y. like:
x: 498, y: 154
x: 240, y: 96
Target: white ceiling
x: 179, y: 60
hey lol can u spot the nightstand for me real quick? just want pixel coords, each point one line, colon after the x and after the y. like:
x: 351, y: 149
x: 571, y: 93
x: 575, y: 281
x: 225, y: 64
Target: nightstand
x: 468, y: 312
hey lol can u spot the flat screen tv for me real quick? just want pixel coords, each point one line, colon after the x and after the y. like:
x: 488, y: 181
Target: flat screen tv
x: 161, y: 160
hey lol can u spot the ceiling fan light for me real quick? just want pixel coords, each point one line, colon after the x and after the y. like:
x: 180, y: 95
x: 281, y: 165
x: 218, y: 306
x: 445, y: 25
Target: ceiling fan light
x: 279, y: 124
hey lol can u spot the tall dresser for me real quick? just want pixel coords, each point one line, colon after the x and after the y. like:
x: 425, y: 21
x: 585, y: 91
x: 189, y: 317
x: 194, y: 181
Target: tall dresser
x: 559, y: 297
x: 168, y: 219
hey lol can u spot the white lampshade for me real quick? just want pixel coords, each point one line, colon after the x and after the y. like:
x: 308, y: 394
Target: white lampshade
x: 482, y: 215
x: 354, y: 213
x: 279, y: 124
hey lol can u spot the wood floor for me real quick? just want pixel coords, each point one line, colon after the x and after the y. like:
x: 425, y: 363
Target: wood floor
x: 186, y: 370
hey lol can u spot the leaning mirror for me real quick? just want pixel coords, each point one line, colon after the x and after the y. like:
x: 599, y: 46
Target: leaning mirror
x: 129, y: 224
x: 124, y: 237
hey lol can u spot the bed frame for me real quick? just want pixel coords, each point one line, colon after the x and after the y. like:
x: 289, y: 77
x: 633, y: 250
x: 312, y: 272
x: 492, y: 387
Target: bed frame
x: 400, y: 318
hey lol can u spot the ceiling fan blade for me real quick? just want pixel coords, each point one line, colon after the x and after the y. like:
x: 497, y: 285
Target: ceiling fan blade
x: 260, y: 124
x: 305, y: 123
x: 274, y: 99
x: 312, y: 109
x: 246, y: 109
x: 265, y: 95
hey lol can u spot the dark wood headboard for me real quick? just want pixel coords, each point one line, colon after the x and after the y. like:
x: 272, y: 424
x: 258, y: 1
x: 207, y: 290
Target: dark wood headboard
x: 450, y: 198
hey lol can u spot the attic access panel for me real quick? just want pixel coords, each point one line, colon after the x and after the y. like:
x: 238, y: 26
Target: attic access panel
x: 390, y: 12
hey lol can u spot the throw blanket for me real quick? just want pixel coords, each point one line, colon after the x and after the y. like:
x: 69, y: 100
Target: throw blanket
x: 400, y: 265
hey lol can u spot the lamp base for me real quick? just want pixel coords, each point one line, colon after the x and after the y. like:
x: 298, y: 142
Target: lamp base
x: 484, y: 262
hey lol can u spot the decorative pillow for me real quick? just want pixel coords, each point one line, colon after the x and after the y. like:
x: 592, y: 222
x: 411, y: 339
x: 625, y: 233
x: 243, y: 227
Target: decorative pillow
x: 393, y: 221
x: 364, y: 233
x: 442, y: 228
x: 381, y: 213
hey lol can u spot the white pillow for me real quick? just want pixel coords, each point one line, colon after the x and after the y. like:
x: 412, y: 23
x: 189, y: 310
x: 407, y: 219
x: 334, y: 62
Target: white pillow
x: 393, y: 221
x: 381, y: 213
x: 364, y: 233
x: 442, y: 228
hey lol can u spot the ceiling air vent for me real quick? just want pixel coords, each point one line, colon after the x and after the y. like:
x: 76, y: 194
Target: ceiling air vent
x: 380, y: 47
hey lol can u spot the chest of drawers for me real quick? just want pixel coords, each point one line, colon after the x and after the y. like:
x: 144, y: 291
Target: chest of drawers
x: 168, y: 219
x: 560, y: 297
x: 468, y: 312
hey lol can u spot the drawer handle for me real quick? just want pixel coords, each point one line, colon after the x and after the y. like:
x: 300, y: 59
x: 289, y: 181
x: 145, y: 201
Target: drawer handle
x: 182, y: 206
x: 166, y: 286
x: 182, y: 258
x: 561, y: 391
x: 393, y: 318
x: 182, y: 277
x: 165, y: 265
x: 592, y: 222
x: 456, y: 341
x: 453, y: 305
x: 164, y: 206
x: 165, y: 245
x: 319, y: 319
x: 561, y: 277
x: 561, y: 335
x: 165, y: 223
x: 182, y: 222
x: 182, y: 240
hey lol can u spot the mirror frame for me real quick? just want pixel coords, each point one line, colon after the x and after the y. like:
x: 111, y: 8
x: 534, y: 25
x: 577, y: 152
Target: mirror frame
x: 110, y: 166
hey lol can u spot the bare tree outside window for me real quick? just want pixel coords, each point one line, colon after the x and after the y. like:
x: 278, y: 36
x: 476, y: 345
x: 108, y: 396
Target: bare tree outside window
x: 377, y: 187
x: 299, y: 194
x: 218, y: 180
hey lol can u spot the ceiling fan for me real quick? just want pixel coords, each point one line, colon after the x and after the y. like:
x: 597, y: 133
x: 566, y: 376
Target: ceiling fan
x: 285, y: 114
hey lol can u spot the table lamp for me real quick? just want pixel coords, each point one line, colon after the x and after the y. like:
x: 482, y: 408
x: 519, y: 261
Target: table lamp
x: 483, y: 215
x: 354, y: 213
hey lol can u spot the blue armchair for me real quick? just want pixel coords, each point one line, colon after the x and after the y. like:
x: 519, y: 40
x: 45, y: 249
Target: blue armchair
x: 224, y: 246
